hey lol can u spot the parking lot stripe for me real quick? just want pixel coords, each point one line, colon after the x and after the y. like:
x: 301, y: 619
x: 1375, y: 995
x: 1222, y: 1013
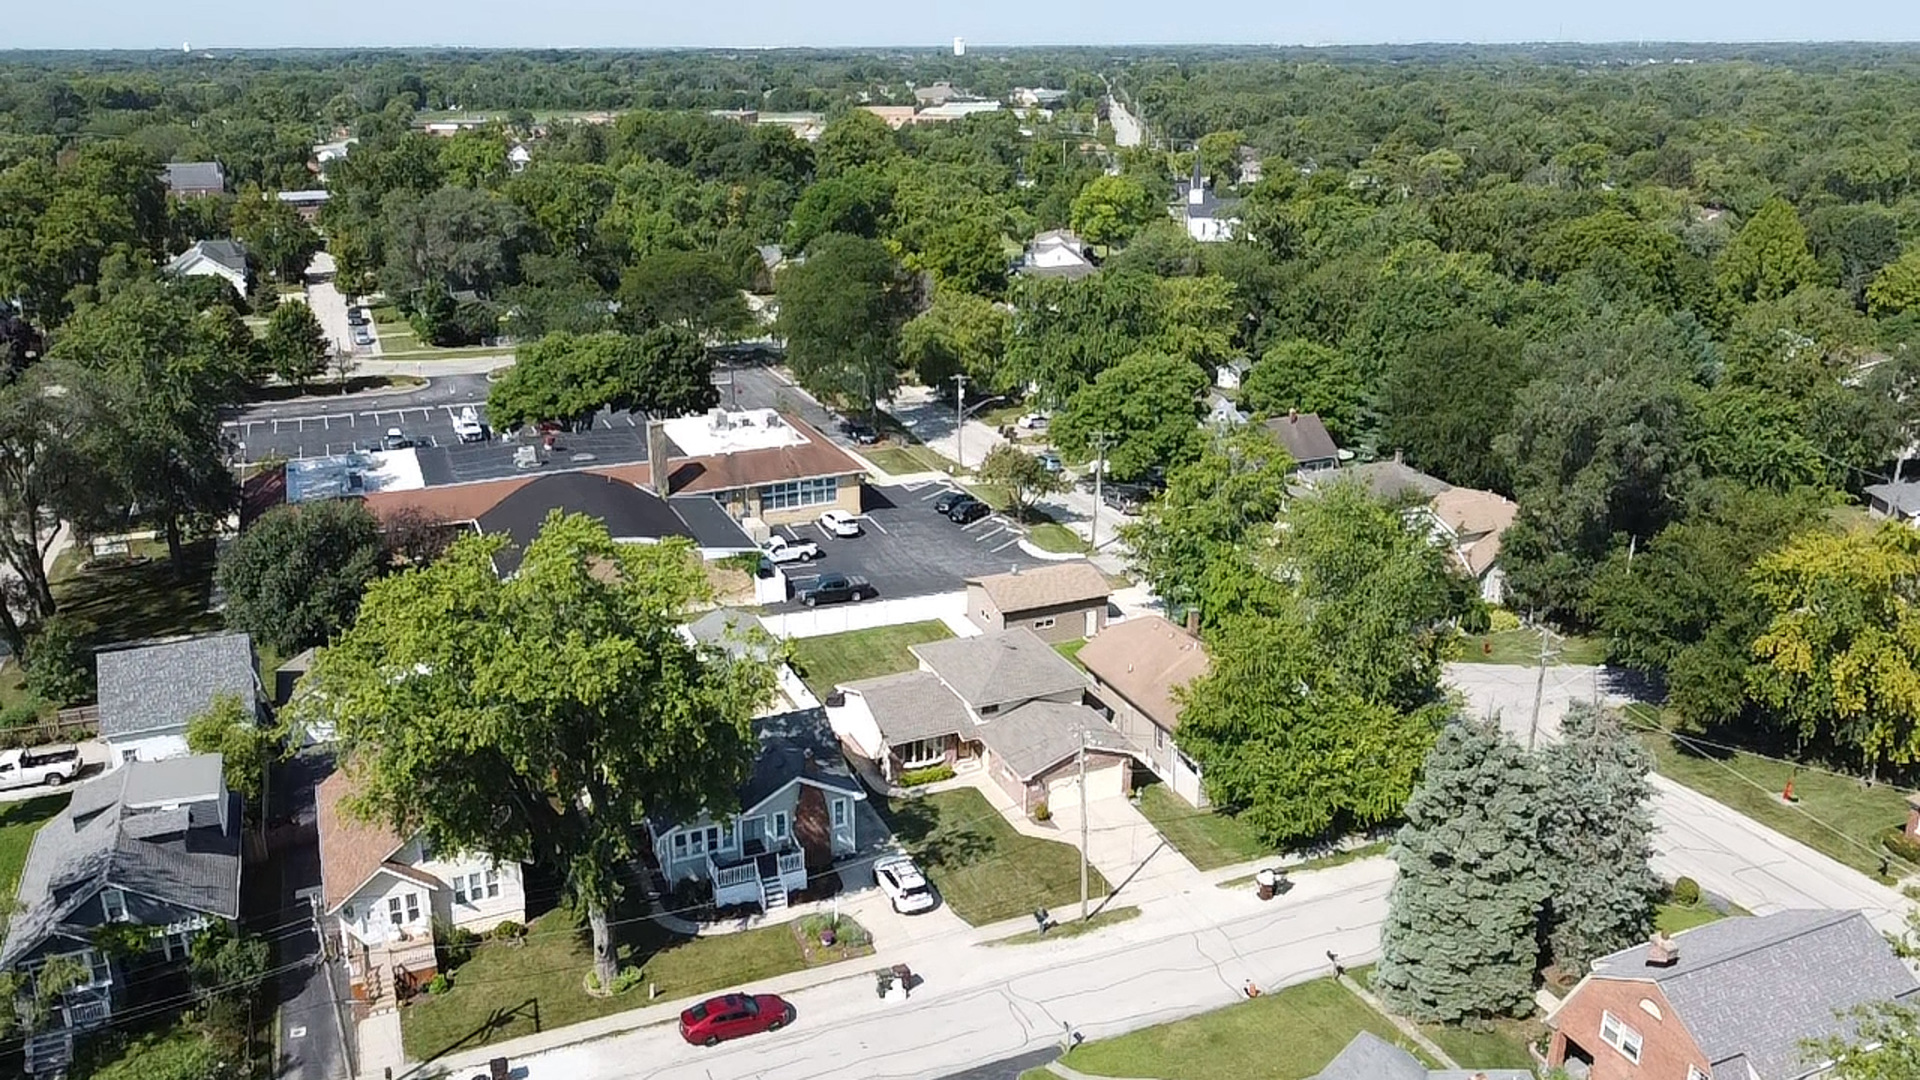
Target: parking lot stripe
x: 1007, y: 545
x: 877, y: 525
x: 935, y: 495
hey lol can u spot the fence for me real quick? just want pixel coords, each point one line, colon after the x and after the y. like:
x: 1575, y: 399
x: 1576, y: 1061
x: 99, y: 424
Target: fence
x: 68, y: 725
x: 838, y: 619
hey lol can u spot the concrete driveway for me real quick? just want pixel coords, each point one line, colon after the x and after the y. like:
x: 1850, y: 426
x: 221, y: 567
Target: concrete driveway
x: 1508, y: 689
x: 330, y: 307
x: 94, y: 759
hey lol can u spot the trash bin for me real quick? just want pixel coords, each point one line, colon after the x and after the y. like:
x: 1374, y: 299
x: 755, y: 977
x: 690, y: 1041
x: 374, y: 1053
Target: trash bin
x: 1264, y: 880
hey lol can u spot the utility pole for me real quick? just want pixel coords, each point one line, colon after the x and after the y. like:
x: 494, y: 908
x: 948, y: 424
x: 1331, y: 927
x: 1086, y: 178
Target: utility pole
x: 959, y: 417
x: 1099, y: 475
x: 1540, y: 685
x: 1083, y: 826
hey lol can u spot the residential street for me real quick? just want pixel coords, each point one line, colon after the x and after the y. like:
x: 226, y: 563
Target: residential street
x: 1126, y: 130
x: 980, y: 1004
x: 311, y: 1027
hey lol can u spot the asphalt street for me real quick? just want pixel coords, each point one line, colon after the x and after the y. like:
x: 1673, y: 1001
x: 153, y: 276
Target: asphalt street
x: 312, y: 1022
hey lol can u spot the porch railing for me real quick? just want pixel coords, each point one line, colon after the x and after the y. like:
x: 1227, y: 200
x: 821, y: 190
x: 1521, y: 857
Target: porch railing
x: 792, y: 861
x: 724, y: 876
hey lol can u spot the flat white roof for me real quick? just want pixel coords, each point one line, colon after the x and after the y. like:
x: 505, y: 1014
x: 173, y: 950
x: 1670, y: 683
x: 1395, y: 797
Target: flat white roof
x: 360, y: 473
x: 723, y: 432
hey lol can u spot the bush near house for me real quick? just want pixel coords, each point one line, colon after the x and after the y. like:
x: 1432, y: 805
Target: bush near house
x: 933, y: 774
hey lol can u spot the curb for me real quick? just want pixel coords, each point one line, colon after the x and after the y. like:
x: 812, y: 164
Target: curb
x: 1044, y: 555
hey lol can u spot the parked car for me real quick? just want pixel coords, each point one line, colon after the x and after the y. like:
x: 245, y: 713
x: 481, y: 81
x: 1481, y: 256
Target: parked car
x: 860, y: 432
x: 968, y: 512
x: 467, y: 425
x: 904, y: 884
x: 1051, y: 462
x: 834, y: 588
x: 49, y: 765
x: 1034, y: 421
x: 395, y: 440
x: 1126, y: 498
x: 730, y: 1016
x: 945, y: 503
x: 361, y: 336
x: 356, y: 316
x: 782, y: 550
x: 840, y: 523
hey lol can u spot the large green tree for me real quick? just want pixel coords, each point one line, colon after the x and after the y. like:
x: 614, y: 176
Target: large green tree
x: 294, y: 578
x: 689, y: 289
x: 545, y: 717
x: 1146, y: 410
x: 1463, y: 914
x: 959, y: 333
x: 841, y: 313
x: 275, y: 234
x: 1598, y: 828
x: 296, y: 346
x: 1110, y: 209
x: 1882, y: 1042
x: 570, y: 377
x: 1768, y: 257
x: 1312, y: 378
x: 1024, y: 476
x: 229, y: 728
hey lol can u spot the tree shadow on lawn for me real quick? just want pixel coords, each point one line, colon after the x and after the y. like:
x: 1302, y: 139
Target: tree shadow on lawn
x: 137, y: 600
x: 919, y: 826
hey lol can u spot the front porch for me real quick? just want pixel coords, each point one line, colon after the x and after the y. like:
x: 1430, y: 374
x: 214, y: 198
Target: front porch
x: 382, y: 973
x: 765, y: 878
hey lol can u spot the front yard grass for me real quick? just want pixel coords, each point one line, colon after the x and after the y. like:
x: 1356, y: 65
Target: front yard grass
x: 1671, y: 918
x: 1321, y: 862
x: 1837, y: 815
x: 1209, y: 840
x: 506, y: 991
x: 18, y: 822
x: 1288, y: 1034
x: 984, y: 869
x: 1055, y: 537
x: 1504, y: 1046
x: 825, y: 662
x: 1522, y: 647
x: 131, y: 599
x: 905, y: 460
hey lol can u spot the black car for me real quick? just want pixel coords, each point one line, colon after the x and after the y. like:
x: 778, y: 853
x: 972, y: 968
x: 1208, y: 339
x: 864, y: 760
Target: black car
x: 948, y: 500
x: 832, y: 589
x: 968, y: 512
x: 356, y: 317
x: 862, y: 434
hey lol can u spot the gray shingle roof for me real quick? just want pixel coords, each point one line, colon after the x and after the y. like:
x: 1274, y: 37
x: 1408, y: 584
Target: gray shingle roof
x: 785, y: 740
x: 1902, y: 498
x: 996, y: 669
x: 1041, y: 734
x: 195, y: 176
x: 1370, y: 1057
x: 737, y: 633
x: 187, y: 857
x: 1395, y: 480
x: 1756, y: 987
x: 914, y: 705
x: 1304, y: 437
x: 147, y: 689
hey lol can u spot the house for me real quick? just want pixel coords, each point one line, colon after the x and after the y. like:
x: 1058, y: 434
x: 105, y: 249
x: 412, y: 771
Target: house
x: 307, y: 204
x: 954, y: 110
x: 149, y: 692
x: 1222, y: 412
x: 154, y: 847
x: 1004, y: 702
x: 631, y: 513
x: 1036, y: 97
x: 894, y: 116
x: 1057, y: 253
x: 1470, y: 524
x: 1899, y: 501
x: 1207, y: 219
x: 1229, y: 375
x: 1138, y: 669
x: 194, y: 179
x: 224, y: 259
x: 1370, y: 1057
x: 1058, y: 602
x: 795, y: 816
x: 1394, y: 481
x: 1734, y: 998
x: 938, y: 94
x: 382, y: 894
x: 1306, y: 441
x: 1251, y: 169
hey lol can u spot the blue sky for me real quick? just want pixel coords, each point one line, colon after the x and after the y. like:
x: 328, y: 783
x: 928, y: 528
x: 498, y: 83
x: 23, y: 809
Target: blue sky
x: 140, y: 24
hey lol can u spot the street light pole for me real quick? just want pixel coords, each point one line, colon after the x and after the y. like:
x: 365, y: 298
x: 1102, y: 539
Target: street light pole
x: 1099, y: 475
x: 1083, y: 826
x: 960, y: 418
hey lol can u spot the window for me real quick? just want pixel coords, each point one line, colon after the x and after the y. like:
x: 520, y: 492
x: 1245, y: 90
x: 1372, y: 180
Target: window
x: 726, y: 835
x: 798, y: 493
x: 922, y: 752
x: 493, y: 883
x: 1043, y: 624
x: 779, y: 824
x: 113, y: 903
x: 1159, y: 737
x: 679, y: 845
x: 839, y: 813
x: 1620, y: 1037
x: 413, y: 907
x: 459, y: 888
x: 393, y: 910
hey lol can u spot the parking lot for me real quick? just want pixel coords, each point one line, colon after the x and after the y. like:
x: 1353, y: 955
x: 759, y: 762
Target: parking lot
x: 905, y: 549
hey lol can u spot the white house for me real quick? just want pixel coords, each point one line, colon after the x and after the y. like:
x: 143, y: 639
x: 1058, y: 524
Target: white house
x: 149, y: 692
x: 1057, y: 253
x: 518, y: 158
x: 382, y: 895
x: 1470, y: 524
x: 795, y: 816
x: 225, y: 259
x: 1208, y: 220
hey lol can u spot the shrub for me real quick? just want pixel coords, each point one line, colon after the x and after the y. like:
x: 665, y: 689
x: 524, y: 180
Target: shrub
x: 508, y: 931
x: 455, y: 944
x: 628, y: 978
x: 845, y: 930
x: 1500, y: 620
x: 1686, y: 891
x: 1901, y: 845
x: 439, y: 984
x: 1042, y: 812
x: 60, y: 663
x: 25, y: 714
x: 932, y: 774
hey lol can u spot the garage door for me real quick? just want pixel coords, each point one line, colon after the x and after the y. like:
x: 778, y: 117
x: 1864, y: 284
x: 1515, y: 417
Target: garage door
x: 1102, y: 783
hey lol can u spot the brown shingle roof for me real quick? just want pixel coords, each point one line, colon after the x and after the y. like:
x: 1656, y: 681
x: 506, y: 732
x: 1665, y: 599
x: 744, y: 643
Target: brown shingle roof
x: 1304, y: 436
x: 814, y: 458
x: 351, y: 850
x: 1046, y: 587
x: 1145, y: 659
x: 1475, y: 514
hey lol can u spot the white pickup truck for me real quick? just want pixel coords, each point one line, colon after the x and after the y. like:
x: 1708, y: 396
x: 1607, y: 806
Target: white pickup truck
x: 49, y: 765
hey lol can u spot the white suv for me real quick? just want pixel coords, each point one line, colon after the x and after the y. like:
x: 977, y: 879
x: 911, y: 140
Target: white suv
x: 904, y: 885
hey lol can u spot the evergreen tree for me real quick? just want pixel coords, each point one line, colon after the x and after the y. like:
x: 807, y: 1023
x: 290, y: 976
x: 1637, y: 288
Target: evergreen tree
x: 1598, y: 831
x: 1460, y: 936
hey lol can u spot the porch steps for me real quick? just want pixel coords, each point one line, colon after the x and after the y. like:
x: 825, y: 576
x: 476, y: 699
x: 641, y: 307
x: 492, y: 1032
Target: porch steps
x: 49, y: 1053
x: 775, y: 893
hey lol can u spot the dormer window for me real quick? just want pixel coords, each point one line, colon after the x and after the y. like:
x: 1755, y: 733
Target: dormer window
x: 113, y: 904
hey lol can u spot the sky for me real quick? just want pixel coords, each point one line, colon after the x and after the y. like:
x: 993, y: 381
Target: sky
x: 143, y: 24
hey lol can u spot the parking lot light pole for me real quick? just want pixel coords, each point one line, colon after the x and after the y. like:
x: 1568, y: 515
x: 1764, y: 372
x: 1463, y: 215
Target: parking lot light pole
x: 960, y: 418
x: 1083, y: 826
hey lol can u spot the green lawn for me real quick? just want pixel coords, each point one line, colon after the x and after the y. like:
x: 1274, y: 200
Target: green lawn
x: 1321, y: 862
x: 1053, y: 536
x: 985, y: 870
x: 1208, y: 840
x: 1289, y: 1034
x: 507, y: 991
x: 1503, y: 1047
x: 130, y: 600
x: 1071, y: 649
x: 824, y: 662
x: 993, y: 495
x: 1837, y: 815
x: 1671, y: 918
x: 1072, y: 926
x: 906, y: 460
x: 18, y: 822
x: 1523, y: 647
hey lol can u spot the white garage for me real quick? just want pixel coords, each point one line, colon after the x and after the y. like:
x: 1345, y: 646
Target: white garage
x: 1106, y: 779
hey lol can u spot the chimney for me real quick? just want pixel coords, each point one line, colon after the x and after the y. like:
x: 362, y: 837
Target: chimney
x: 806, y: 763
x: 659, y: 450
x: 1193, y: 620
x: 1293, y: 416
x: 1662, y: 951
x: 1398, y: 457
